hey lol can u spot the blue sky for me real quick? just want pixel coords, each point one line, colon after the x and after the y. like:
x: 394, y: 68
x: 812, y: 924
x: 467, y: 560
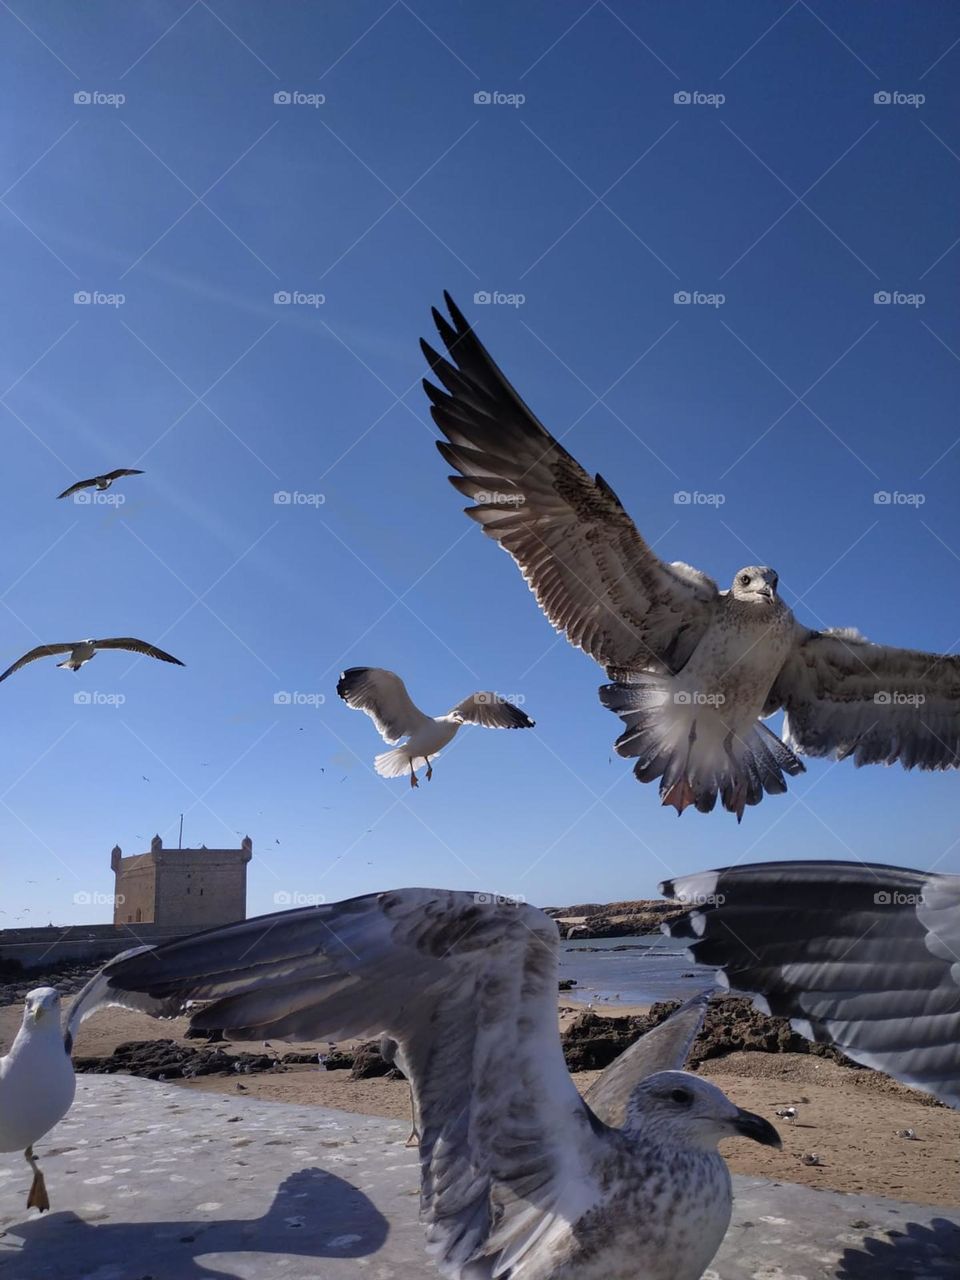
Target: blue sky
x: 782, y: 185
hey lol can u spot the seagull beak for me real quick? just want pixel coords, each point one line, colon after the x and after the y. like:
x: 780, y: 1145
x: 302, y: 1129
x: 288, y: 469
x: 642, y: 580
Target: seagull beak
x: 766, y: 592
x: 749, y: 1125
x: 37, y: 1012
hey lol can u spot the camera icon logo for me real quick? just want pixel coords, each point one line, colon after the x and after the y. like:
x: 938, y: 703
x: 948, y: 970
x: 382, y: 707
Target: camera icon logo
x: 82, y: 98
x: 82, y: 698
x: 882, y: 898
x: 282, y: 898
x: 482, y: 298
x: 882, y: 699
x: 282, y: 699
x: 82, y: 298
x: 682, y: 298
x: 282, y: 298
x: 682, y: 98
x: 882, y: 298
x: 882, y: 498
x: 482, y: 98
x: 882, y: 98
x: 282, y: 98
x: 682, y: 498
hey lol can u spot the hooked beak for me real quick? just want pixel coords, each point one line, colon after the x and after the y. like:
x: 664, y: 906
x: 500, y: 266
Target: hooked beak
x: 766, y: 592
x: 749, y: 1125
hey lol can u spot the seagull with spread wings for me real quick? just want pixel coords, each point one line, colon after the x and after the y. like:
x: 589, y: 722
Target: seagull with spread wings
x: 519, y: 1176
x: 693, y: 669
x: 100, y: 482
x: 383, y: 696
x: 81, y: 651
x: 856, y: 954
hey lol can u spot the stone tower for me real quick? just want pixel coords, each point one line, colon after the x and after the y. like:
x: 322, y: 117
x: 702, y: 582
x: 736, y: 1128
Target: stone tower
x: 181, y: 888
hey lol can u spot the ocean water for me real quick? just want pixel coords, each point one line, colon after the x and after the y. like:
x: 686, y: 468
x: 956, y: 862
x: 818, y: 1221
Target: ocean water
x: 654, y: 968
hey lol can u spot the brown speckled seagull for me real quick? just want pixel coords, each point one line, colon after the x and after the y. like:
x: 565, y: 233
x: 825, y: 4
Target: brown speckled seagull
x: 519, y: 1176
x: 693, y: 669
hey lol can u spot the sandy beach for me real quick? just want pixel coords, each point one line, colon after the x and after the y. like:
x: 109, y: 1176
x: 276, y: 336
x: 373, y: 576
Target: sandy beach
x: 848, y: 1118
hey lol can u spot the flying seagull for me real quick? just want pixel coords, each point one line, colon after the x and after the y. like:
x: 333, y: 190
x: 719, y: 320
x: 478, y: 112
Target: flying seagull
x: 100, y: 482
x: 693, y: 669
x: 383, y: 696
x: 37, y: 1084
x: 81, y: 651
x: 858, y: 955
x: 518, y: 1175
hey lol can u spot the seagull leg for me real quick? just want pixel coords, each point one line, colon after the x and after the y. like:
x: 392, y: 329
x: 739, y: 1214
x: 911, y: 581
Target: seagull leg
x: 429, y: 768
x: 413, y: 776
x: 38, y: 1198
x: 414, y: 1139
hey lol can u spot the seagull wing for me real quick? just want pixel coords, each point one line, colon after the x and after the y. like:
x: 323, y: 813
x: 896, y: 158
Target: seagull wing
x: 463, y: 984
x: 97, y: 994
x: 75, y: 488
x: 383, y: 696
x: 121, y: 471
x: 592, y: 573
x: 492, y: 712
x: 663, y: 1048
x: 41, y: 651
x: 845, y: 696
x: 138, y: 646
x: 858, y: 955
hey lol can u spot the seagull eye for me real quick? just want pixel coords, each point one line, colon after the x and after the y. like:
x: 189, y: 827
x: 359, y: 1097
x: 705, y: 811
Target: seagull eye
x: 744, y: 579
x: 682, y: 1097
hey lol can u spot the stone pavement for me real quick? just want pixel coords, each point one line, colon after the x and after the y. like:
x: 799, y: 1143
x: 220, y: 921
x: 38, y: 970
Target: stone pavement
x: 154, y: 1182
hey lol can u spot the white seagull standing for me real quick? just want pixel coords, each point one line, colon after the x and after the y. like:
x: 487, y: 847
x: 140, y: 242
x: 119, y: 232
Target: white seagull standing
x: 520, y: 1176
x: 81, y: 651
x: 693, y: 669
x: 37, y: 1084
x: 383, y: 696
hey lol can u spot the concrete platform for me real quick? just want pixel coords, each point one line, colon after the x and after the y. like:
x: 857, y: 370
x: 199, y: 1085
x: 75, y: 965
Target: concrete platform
x: 153, y: 1182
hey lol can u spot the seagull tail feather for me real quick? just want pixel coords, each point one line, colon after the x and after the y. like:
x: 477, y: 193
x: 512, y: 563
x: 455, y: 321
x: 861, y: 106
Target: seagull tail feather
x: 394, y: 764
x: 679, y: 736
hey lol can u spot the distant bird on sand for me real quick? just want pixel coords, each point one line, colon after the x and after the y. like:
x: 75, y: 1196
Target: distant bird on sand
x: 100, y: 482
x: 857, y: 955
x: 81, y: 651
x: 37, y: 1084
x: 519, y: 1175
x: 693, y: 669
x: 383, y: 696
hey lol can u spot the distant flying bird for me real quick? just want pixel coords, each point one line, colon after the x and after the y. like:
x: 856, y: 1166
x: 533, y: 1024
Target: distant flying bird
x: 519, y: 1176
x: 37, y: 1084
x: 100, y: 482
x: 857, y: 955
x: 81, y: 651
x: 693, y: 668
x: 383, y: 696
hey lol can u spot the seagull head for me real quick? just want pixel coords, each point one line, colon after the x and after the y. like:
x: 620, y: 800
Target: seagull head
x: 42, y: 1005
x: 685, y: 1111
x: 756, y: 584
